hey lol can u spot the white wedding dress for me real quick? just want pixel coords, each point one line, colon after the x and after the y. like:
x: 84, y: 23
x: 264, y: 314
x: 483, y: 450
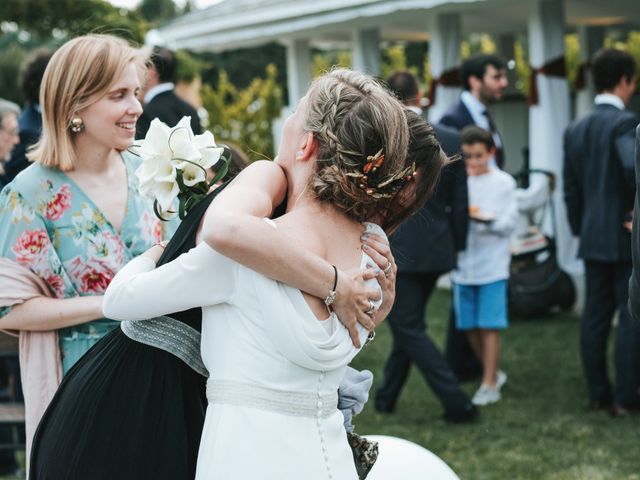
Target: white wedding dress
x: 274, y: 368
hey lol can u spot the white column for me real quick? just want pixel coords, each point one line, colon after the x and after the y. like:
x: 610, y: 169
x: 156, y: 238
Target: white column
x: 366, y: 51
x: 444, y: 53
x: 591, y: 40
x: 549, y: 118
x: 298, y: 69
x: 298, y: 81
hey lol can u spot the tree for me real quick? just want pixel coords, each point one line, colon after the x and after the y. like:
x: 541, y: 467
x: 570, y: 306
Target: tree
x: 63, y: 19
x: 157, y: 11
x: 245, y: 116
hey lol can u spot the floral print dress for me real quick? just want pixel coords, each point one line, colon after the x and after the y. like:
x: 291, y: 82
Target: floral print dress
x: 50, y: 225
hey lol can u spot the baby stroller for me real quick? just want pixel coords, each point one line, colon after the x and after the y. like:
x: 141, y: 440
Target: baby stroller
x: 537, y: 283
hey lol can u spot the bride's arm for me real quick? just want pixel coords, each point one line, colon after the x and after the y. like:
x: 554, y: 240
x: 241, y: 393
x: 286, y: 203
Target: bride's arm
x: 234, y: 226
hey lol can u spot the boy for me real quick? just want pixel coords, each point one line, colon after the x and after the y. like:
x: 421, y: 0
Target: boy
x: 480, y: 281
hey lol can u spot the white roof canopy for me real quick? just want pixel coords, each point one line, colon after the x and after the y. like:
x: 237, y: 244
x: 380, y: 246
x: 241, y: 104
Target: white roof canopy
x: 244, y: 23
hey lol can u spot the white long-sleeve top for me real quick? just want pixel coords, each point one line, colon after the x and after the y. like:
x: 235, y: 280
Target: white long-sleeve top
x: 273, y: 367
x: 488, y: 255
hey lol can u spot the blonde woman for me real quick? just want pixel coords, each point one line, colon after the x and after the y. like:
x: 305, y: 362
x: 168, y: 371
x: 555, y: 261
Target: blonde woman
x: 275, y: 356
x: 71, y: 220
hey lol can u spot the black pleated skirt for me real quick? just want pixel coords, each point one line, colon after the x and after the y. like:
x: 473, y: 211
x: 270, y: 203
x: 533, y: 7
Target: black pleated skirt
x: 125, y: 411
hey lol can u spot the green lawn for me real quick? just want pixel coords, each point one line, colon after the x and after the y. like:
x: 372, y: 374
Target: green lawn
x: 540, y: 430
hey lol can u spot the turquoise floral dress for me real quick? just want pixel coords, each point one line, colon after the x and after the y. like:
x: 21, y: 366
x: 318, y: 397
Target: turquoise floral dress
x: 49, y: 225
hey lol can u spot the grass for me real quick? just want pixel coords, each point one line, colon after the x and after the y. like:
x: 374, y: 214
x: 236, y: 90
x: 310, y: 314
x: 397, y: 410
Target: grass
x: 540, y: 430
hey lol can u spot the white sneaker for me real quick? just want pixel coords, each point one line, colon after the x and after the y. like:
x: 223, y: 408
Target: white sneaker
x: 486, y: 395
x: 501, y: 379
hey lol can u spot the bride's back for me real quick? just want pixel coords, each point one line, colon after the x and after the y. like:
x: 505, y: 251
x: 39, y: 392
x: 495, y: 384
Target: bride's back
x: 330, y: 235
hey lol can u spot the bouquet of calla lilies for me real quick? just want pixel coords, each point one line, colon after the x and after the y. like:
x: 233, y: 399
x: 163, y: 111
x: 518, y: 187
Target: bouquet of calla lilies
x: 174, y: 165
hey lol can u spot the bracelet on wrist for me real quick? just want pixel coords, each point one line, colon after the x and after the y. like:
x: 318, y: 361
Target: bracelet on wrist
x: 331, y: 297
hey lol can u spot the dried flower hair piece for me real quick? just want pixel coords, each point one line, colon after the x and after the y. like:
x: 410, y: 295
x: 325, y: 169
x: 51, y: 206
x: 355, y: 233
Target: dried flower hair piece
x: 373, y: 162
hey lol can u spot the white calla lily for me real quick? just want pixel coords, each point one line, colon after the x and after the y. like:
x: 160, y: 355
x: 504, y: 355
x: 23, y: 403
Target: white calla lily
x: 193, y: 174
x: 156, y: 141
x: 166, y: 194
x: 171, y: 152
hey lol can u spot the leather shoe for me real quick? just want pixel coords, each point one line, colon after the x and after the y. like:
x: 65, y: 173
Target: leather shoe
x: 469, y: 414
x: 618, y: 410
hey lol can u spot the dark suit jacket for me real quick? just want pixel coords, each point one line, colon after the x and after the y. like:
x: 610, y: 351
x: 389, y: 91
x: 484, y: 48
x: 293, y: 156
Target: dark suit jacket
x: 634, y: 282
x: 430, y: 240
x: 457, y: 116
x: 169, y: 108
x: 30, y: 124
x: 599, y: 183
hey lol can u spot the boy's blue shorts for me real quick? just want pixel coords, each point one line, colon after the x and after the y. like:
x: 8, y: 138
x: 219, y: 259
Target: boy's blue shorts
x: 481, y: 306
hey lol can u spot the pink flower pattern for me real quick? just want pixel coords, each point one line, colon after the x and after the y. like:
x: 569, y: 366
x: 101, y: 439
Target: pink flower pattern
x: 31, y: 247
x: 60, y: 203
x: 56, y: 283
x: 91, y: 277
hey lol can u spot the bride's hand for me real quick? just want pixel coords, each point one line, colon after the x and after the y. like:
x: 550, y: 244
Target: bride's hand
x: 380, y: 252
x: 353, y: 301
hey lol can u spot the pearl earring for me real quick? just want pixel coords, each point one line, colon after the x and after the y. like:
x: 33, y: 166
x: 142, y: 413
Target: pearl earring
x: 77, y: 125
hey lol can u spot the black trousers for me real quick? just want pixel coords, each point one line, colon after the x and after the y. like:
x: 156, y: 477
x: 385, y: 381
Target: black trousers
x: 459, y: 354
x: 608, y: 291
x: 411, y: 344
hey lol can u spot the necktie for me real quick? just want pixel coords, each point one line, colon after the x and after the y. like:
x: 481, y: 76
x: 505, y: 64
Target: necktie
x: 494, y: 131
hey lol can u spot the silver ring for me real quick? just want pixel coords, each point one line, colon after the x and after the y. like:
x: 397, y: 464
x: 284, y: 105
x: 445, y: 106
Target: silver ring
x: 372, y: 307
x: 387, y: 269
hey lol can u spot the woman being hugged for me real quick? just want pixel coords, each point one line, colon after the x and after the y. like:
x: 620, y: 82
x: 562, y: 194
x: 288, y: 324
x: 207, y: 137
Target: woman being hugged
x: 275, y: 355
x: 71, y: 220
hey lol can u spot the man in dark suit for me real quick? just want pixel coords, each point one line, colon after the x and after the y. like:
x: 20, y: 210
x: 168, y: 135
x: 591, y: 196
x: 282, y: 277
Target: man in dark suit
x: 484, y: 79
x: 160, y: 100
x: 30, y: 121
x: 599, y: 193
x: 425, y: 247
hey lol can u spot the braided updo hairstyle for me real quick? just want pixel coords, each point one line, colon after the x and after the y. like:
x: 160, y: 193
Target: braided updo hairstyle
x: 352, y: 117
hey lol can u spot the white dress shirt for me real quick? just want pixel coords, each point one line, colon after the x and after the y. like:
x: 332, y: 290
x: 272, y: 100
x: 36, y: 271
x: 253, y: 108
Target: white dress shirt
x: 156, y: 90
x: 609, y: 99
x: 478, y: 111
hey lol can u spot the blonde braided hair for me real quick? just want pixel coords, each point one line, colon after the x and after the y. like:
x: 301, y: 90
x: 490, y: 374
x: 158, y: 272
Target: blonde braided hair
x: 353, y: 117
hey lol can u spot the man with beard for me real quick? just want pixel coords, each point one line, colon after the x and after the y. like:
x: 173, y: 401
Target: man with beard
x: 484, y: 78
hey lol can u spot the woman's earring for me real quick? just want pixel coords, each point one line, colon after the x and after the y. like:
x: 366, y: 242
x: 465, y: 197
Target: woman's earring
x: 77, y: 125
x: 299, y: 154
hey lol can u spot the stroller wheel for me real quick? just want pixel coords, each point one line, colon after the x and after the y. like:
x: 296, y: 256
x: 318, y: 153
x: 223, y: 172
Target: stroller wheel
x: 565, y: 292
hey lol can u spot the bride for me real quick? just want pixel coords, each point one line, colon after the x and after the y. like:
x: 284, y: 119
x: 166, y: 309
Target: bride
x: 275, y: 355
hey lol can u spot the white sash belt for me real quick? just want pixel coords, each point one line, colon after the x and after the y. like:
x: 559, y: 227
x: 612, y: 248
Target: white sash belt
x: 300, y: 404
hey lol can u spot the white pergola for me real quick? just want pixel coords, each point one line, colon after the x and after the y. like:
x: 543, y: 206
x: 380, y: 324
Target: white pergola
x: 363, y: 24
